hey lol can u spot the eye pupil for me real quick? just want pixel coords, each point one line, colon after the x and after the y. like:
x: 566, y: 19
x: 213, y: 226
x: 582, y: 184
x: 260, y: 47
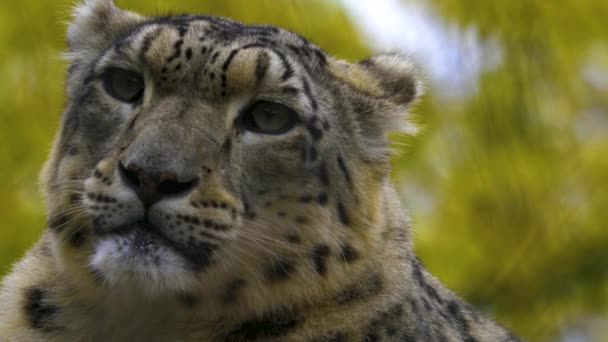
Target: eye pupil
x: 268, y: 118
x: 124, y: 85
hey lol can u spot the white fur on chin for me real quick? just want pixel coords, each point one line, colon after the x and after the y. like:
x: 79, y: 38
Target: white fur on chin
x: 149, y: 272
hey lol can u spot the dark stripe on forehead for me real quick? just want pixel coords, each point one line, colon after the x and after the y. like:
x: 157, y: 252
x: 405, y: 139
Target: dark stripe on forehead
x: 308, y: 92
x: 177, y: 50
x: 182, y: 29
x: 148, y: 40
x: 288, y: 68
x: 229, y: 59
x: 224, y: 27
x: 255, y: 45
x: 321, y: 56
x: 128, y: 36
x: 261, y: 67
x: 182, y: 24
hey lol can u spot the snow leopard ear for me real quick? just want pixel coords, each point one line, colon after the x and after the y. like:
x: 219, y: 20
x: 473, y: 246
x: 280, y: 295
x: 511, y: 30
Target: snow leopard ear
x: 388, y: 85
x: 96, y: 24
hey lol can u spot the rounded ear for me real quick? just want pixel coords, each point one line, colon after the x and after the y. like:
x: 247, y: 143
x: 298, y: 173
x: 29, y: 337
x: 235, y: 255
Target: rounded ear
x: 384, y: 87
x: 396, y: 76
x: 389, y: 76
x: 96, y: 24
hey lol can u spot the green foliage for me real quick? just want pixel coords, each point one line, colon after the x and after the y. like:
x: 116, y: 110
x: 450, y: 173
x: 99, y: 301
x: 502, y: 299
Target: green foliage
x: 519, y: 173
x: 508, y: 189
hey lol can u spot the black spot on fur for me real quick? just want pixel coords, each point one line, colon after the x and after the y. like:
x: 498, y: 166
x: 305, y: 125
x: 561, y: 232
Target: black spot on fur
x: 294, y: 238
x: 97, y: 174
x: 342, y: 214
x: 227, y: 146
x: 319, y: 258
x: 348, y: 253
x: 261, y: 67
x: 214, y: 57
x: 188, y: 300
x: 177, y: 50
x: 430, y: 290
x: 290, y: 90
x: 359, y: 291
x: 462, y: 324
x: 314, y: 131
x: 295, y: 49
x: 248, y: 211
x: 39, y: 310
x: 269, y: 326
x: 372, y: 332
x: 72, y: 150
x: 182, y: 30
x: 58, y: 222
x: 343, y: 168
x: 322, y: 198
x: 286, y: 66
x: 312, y: 154
x: 189, y: 53
x: 308, y: 92
x: 281, y: 270
x: 323, y: 177
x: 233, y: 288
x: 326, y: 125
x: 386, y: 324
x: 145, y: 46
x: 321, y: 56
x: 229, y: 59
x: 78, y: 237
x: 201, y: 254
x: 254, y: 45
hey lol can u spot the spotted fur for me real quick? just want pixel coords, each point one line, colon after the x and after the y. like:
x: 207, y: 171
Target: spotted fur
x: 170, y: 222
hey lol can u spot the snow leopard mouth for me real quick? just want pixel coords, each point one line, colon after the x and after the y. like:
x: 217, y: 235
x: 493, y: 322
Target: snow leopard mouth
x: 145, y: 240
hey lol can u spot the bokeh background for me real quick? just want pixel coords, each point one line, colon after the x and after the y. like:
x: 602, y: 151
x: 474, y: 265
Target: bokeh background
x: 507, y: 184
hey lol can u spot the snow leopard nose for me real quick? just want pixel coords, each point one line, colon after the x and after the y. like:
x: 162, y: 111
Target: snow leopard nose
x: 167, y: 159
x: 152, y: 187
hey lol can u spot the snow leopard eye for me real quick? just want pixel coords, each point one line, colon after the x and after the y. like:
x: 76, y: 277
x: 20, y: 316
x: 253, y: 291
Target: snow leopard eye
x: 124, y: 85
x: 268, y: 118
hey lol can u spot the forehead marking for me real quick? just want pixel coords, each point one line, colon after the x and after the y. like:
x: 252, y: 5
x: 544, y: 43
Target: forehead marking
x: 308, y: 92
